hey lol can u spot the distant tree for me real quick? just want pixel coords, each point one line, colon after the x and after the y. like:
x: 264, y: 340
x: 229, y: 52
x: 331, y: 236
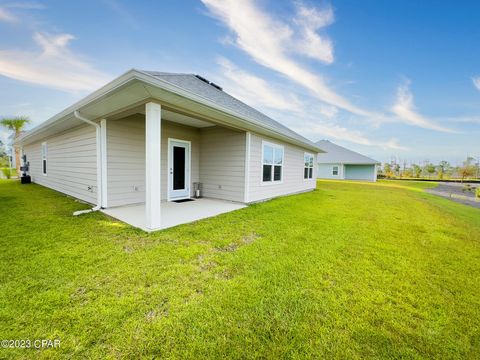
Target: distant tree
x: 430, y: 169
x: 16, y: 125
x: 442, y: 168
x: 396, y: 167
x: 408, y: 173
x: 417, y: 170
x: 466, y: 171
x: 387, y: 170
x: 444, y: 165
x: 440, y: 173
x: 469, y: 161
x: 3, y: 155
x: 3, y: 151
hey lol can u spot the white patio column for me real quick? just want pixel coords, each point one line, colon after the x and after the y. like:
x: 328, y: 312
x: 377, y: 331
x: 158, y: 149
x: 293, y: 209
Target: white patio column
x: 103, y: 143
x: 153, y: 122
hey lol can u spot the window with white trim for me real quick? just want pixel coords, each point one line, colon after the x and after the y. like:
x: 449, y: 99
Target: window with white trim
x: 44, y: 158
x: 272, y: 163
x: 308, y: 166
x: 335, y: 171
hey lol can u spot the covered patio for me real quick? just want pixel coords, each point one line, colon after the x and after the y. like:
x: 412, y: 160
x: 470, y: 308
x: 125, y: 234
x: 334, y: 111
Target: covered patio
x: 155, y: 154
x: 173, y: 213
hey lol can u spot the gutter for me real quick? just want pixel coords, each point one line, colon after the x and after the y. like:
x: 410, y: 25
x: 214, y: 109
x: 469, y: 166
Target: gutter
x: 98, y: 129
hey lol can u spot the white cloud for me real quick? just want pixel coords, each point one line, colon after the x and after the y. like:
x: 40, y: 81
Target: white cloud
x: 254, y: 90
x: 257, y: 92
x: 338, y: 132
x: 326, y: 130
x: 7, y: 16
x: 404, y: 109
x: 122, y: 13
x: 476, y: 82
x: 271, y: 43
x: 393, y: 145
x: 329, y: 111
x: 299, y: 116
x: 310, y: 43
x: 54, y: 65
x: 27, y: 5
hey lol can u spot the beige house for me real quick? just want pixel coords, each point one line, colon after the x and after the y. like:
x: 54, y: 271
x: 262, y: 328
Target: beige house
x: 138, y: 144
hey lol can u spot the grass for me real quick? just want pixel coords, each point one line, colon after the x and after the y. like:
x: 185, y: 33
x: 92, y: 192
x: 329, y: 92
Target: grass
x: 411, y: 184
x: 349, y: 271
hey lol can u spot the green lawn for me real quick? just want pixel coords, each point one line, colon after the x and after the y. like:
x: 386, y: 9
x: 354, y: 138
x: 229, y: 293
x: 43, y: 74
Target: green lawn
x: 351, y: 270
x: 410, y: 184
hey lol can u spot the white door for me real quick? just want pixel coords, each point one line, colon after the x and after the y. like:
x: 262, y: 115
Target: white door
x: 178, y: 169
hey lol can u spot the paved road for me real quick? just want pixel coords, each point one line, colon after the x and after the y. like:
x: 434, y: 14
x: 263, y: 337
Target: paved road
x: 456, y: 192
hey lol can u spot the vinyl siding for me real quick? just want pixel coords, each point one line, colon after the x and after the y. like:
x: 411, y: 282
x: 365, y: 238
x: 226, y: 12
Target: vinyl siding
x: 126, y: 161
x: 126, y: 158
x: 325, y: 171
x: 222, y: 163
x: 360, y: 172
x: 71, y: 163
x: 292, y: 177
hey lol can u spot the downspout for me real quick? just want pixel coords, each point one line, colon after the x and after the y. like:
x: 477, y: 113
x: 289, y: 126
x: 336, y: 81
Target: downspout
x: 98, y: 129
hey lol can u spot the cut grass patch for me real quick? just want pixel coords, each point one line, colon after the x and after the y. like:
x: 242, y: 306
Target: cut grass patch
x: 351, y: 270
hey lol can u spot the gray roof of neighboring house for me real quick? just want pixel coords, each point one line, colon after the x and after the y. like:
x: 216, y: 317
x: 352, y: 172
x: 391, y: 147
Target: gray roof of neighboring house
x: 192, y: 83
x: 336, y: 154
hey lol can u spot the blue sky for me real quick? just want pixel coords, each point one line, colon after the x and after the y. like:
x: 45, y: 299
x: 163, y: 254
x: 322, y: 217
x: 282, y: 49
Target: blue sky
x: 385, y: 78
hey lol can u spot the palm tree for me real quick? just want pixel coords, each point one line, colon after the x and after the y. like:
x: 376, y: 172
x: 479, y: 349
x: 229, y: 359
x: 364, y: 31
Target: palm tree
x: 16, y: 125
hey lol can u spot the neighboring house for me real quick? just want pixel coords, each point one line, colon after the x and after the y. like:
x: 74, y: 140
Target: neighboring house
x: 340, y: 163
x: 146, y: 137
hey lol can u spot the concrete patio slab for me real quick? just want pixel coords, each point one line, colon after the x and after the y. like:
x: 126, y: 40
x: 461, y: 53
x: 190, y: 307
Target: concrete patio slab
x: 173, y: 214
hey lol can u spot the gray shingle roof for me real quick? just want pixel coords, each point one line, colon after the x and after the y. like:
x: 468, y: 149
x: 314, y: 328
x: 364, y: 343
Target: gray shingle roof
x: 191, y: 83
x: 338, y: 154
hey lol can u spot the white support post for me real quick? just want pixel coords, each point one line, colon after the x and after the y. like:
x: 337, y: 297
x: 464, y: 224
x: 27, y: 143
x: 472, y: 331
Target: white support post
x: 103, y: 135
x: 246, y: 197
x: 153, y: 122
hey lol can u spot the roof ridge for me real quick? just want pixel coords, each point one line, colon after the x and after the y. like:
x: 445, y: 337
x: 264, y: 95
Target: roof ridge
x: 151, y: 72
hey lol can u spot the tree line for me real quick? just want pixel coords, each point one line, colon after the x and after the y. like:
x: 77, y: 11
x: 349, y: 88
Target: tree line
x: 443, y: 170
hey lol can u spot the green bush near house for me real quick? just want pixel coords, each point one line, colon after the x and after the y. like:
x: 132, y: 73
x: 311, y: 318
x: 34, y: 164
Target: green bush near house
x: 7, y: 172
x: 349, y: 271
x: 477, y: 192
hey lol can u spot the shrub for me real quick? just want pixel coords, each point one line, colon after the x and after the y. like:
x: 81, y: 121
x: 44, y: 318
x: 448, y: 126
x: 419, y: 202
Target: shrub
x: 7, y: 172
x: 477, y: 192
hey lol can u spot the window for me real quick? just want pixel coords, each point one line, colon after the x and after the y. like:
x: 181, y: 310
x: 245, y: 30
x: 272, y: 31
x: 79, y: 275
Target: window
x: 308, y: 166
x: 335, y: 171
x: 272, y: 163
x: 44, y: 158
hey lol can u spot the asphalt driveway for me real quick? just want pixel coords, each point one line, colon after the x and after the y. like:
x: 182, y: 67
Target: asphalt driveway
x: 457, y: 192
